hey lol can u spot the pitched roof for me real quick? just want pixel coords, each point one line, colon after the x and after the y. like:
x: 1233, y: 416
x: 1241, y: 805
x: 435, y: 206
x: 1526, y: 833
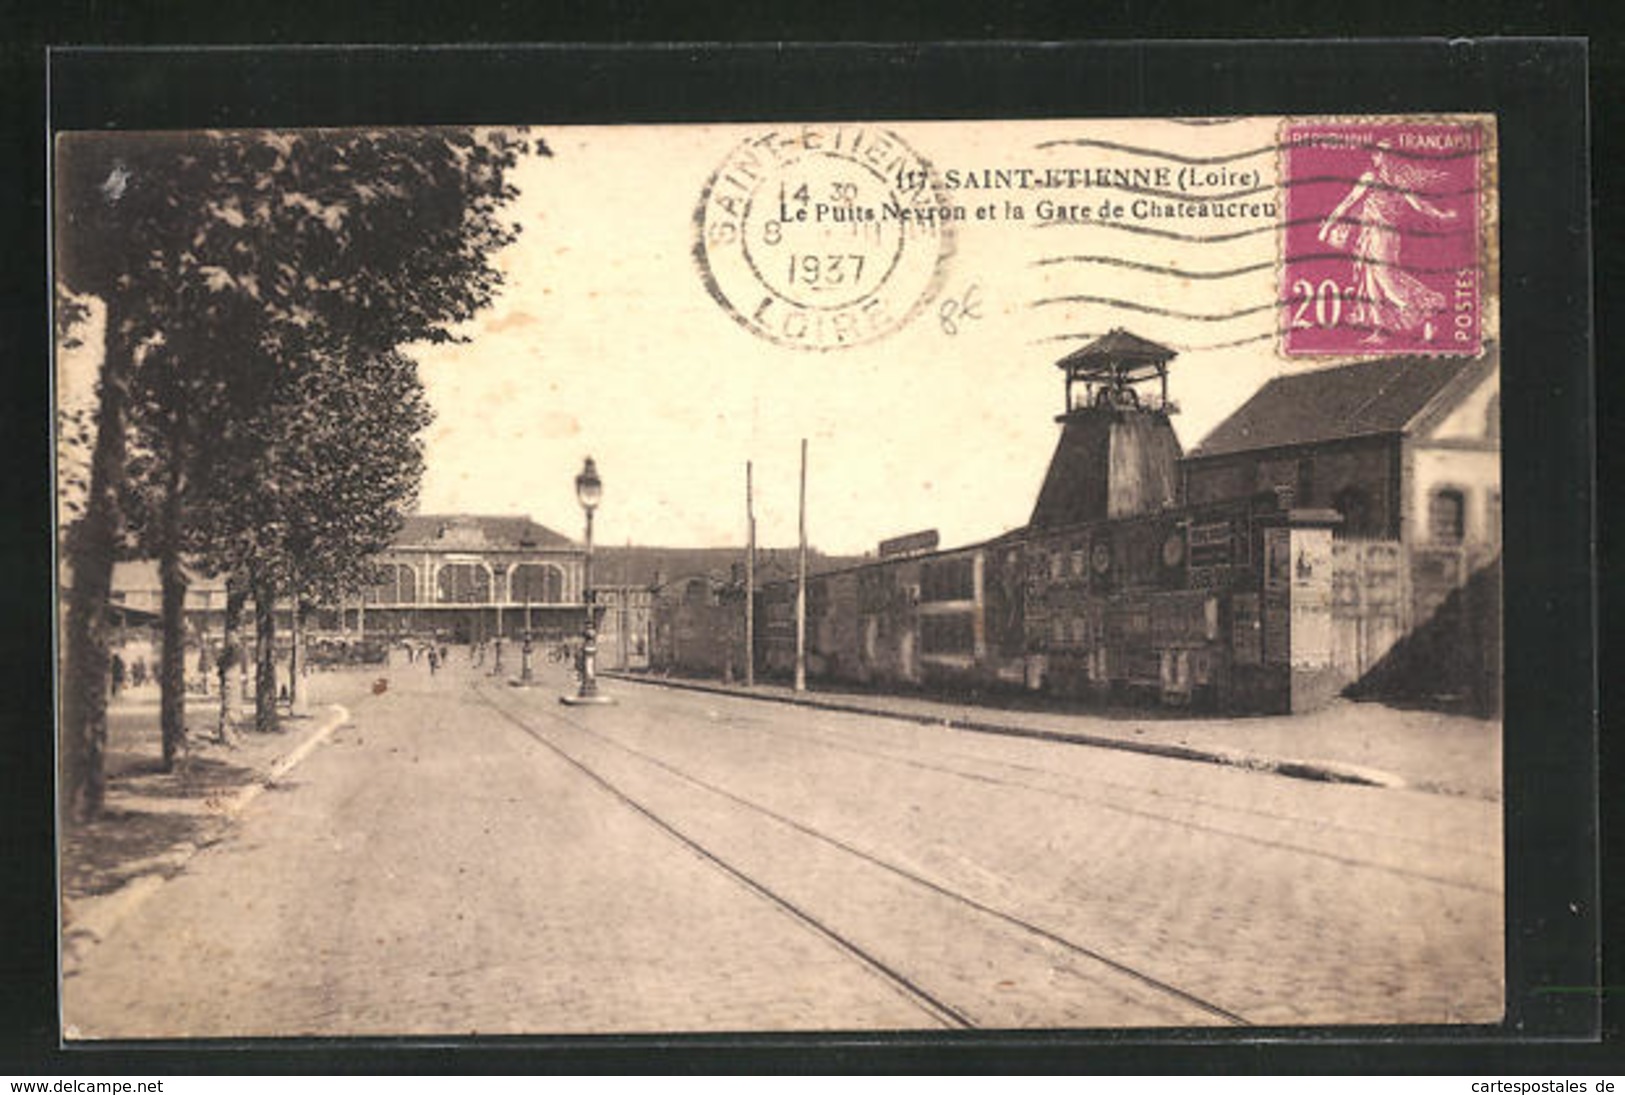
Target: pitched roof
x: 440, y: 530
x: 1366, y: 398
x: 1117, y: 351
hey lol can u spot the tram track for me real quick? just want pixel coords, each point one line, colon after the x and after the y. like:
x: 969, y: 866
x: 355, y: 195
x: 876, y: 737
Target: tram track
x: 848, y: 743
x: 1111, y: 981
x: 931, y: 1005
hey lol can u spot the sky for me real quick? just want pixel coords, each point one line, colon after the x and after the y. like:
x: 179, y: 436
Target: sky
x: 607, y: 341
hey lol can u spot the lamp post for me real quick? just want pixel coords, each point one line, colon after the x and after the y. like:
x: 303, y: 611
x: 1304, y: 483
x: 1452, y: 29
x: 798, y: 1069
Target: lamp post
x: 525, y: 674
x: 589, y: 492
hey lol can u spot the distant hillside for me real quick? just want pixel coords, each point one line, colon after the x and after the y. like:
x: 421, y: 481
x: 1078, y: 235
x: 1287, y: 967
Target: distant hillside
x: 648, y: 566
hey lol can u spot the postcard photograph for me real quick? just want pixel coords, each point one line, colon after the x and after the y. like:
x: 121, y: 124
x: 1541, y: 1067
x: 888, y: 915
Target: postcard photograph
x: 765, y: 577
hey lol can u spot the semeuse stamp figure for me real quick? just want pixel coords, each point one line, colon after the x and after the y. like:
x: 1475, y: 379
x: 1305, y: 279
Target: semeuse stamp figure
x: 1383, y: 246
x: 1386, y: 297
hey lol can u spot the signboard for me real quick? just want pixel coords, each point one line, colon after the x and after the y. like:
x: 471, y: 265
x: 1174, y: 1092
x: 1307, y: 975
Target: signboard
x: 1183, y: 619
x: 1210, y: 544
x: 1277, y: 560
x: 1277, y: 628
x: 915, y: 543
x: 1247, y: 630
x: 1311, y: 598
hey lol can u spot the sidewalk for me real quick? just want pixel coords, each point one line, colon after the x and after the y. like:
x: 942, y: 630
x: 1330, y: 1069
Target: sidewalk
x: 155, y: 821
x: 1344, y: 742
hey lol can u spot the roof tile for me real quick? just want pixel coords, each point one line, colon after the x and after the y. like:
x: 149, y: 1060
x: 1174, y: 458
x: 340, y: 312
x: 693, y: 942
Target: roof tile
x: 1369, y: 397
x: 505, y: 531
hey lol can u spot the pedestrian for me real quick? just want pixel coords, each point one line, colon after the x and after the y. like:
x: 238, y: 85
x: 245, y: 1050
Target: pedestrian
x: 118, y: 674
x: 434, y: 660
x: 138, y: 672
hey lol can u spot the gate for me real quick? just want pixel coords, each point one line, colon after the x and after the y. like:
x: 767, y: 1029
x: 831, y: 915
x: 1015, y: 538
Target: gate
x: 1368, y: 603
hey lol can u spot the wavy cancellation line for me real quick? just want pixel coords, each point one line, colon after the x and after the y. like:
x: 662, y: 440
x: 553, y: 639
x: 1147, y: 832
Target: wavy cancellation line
x: 1243, y: 233
x: 1341, y: 180
x: 1351, y: 298
x: 1232, y: 157
x: 1210, y: 347
x: 1235, y: 271
x: 1178, y: 347
x: 1152, y: 309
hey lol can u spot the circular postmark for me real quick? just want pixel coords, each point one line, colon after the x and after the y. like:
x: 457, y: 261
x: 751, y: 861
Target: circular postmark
x: 821, y: 237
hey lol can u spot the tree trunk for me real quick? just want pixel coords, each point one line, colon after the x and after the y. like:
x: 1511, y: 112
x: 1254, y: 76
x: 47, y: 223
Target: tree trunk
x: 172, y: 667
x: 265, y: 719
x: 231, y: 656
x: 296, y: 660
x: 91, y: 549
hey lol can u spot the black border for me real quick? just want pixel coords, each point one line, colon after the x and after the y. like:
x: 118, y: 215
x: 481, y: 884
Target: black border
x: 1538, y: 89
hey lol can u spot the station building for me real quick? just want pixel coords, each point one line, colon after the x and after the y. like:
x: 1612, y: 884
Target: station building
x: 472, y: 577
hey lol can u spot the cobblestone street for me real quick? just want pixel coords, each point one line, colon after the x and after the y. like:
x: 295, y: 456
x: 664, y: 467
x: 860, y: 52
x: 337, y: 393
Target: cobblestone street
x: 466, y: 857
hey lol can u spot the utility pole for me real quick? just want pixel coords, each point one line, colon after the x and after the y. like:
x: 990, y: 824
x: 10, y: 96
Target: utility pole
x: 750, y: 582
x: 801, y: 582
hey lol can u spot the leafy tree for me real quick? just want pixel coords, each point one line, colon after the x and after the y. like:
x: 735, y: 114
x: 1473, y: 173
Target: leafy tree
x: 359, y: 466
x: 225, y: 260
x: 332, y: 462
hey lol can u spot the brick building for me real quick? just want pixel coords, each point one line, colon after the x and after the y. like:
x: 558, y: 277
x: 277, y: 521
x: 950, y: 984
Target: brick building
x: 1405, y: 448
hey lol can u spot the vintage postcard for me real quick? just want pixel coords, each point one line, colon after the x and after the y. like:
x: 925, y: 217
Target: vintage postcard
x: 850, y: 576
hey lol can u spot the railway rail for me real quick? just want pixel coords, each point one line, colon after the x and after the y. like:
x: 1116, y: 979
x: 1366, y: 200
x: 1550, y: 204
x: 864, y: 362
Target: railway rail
x: 1354, y: 845
x: 922, y: 916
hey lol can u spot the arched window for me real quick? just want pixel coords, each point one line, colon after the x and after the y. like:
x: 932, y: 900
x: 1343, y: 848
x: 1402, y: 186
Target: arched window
x: 397, y: 585
x: 536, y: 584
x: 1447, y: 516
x: 464, y: 584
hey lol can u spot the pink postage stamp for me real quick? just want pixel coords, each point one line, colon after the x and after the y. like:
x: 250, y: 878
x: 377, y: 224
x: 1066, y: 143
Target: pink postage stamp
x: 1382, y: 248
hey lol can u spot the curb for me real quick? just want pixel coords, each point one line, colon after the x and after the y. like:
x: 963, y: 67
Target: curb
x: 238, y: 802
x: 1316, y: 771
x: 95, y: 918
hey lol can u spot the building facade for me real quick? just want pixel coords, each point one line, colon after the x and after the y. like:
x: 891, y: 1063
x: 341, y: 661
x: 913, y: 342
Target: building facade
x: 468, y: 578
x: 1340, y: 531
x: 1407, y: 452
x: 1405, y: 449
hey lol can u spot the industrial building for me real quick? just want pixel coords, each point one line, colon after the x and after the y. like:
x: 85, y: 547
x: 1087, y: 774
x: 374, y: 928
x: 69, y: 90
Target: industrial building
x: 1339, y: 532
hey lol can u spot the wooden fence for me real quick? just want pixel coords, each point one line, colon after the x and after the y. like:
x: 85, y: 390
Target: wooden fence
x: 1422, y: 623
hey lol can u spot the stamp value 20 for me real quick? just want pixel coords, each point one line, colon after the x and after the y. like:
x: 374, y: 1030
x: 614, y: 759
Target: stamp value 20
x: 821, y: 237
x: 1382, y: 246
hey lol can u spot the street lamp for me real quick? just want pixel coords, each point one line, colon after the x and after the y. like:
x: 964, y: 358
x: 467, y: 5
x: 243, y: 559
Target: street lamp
x: 589, y: 492
x: 526, y: 676
x: 525, y: 673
